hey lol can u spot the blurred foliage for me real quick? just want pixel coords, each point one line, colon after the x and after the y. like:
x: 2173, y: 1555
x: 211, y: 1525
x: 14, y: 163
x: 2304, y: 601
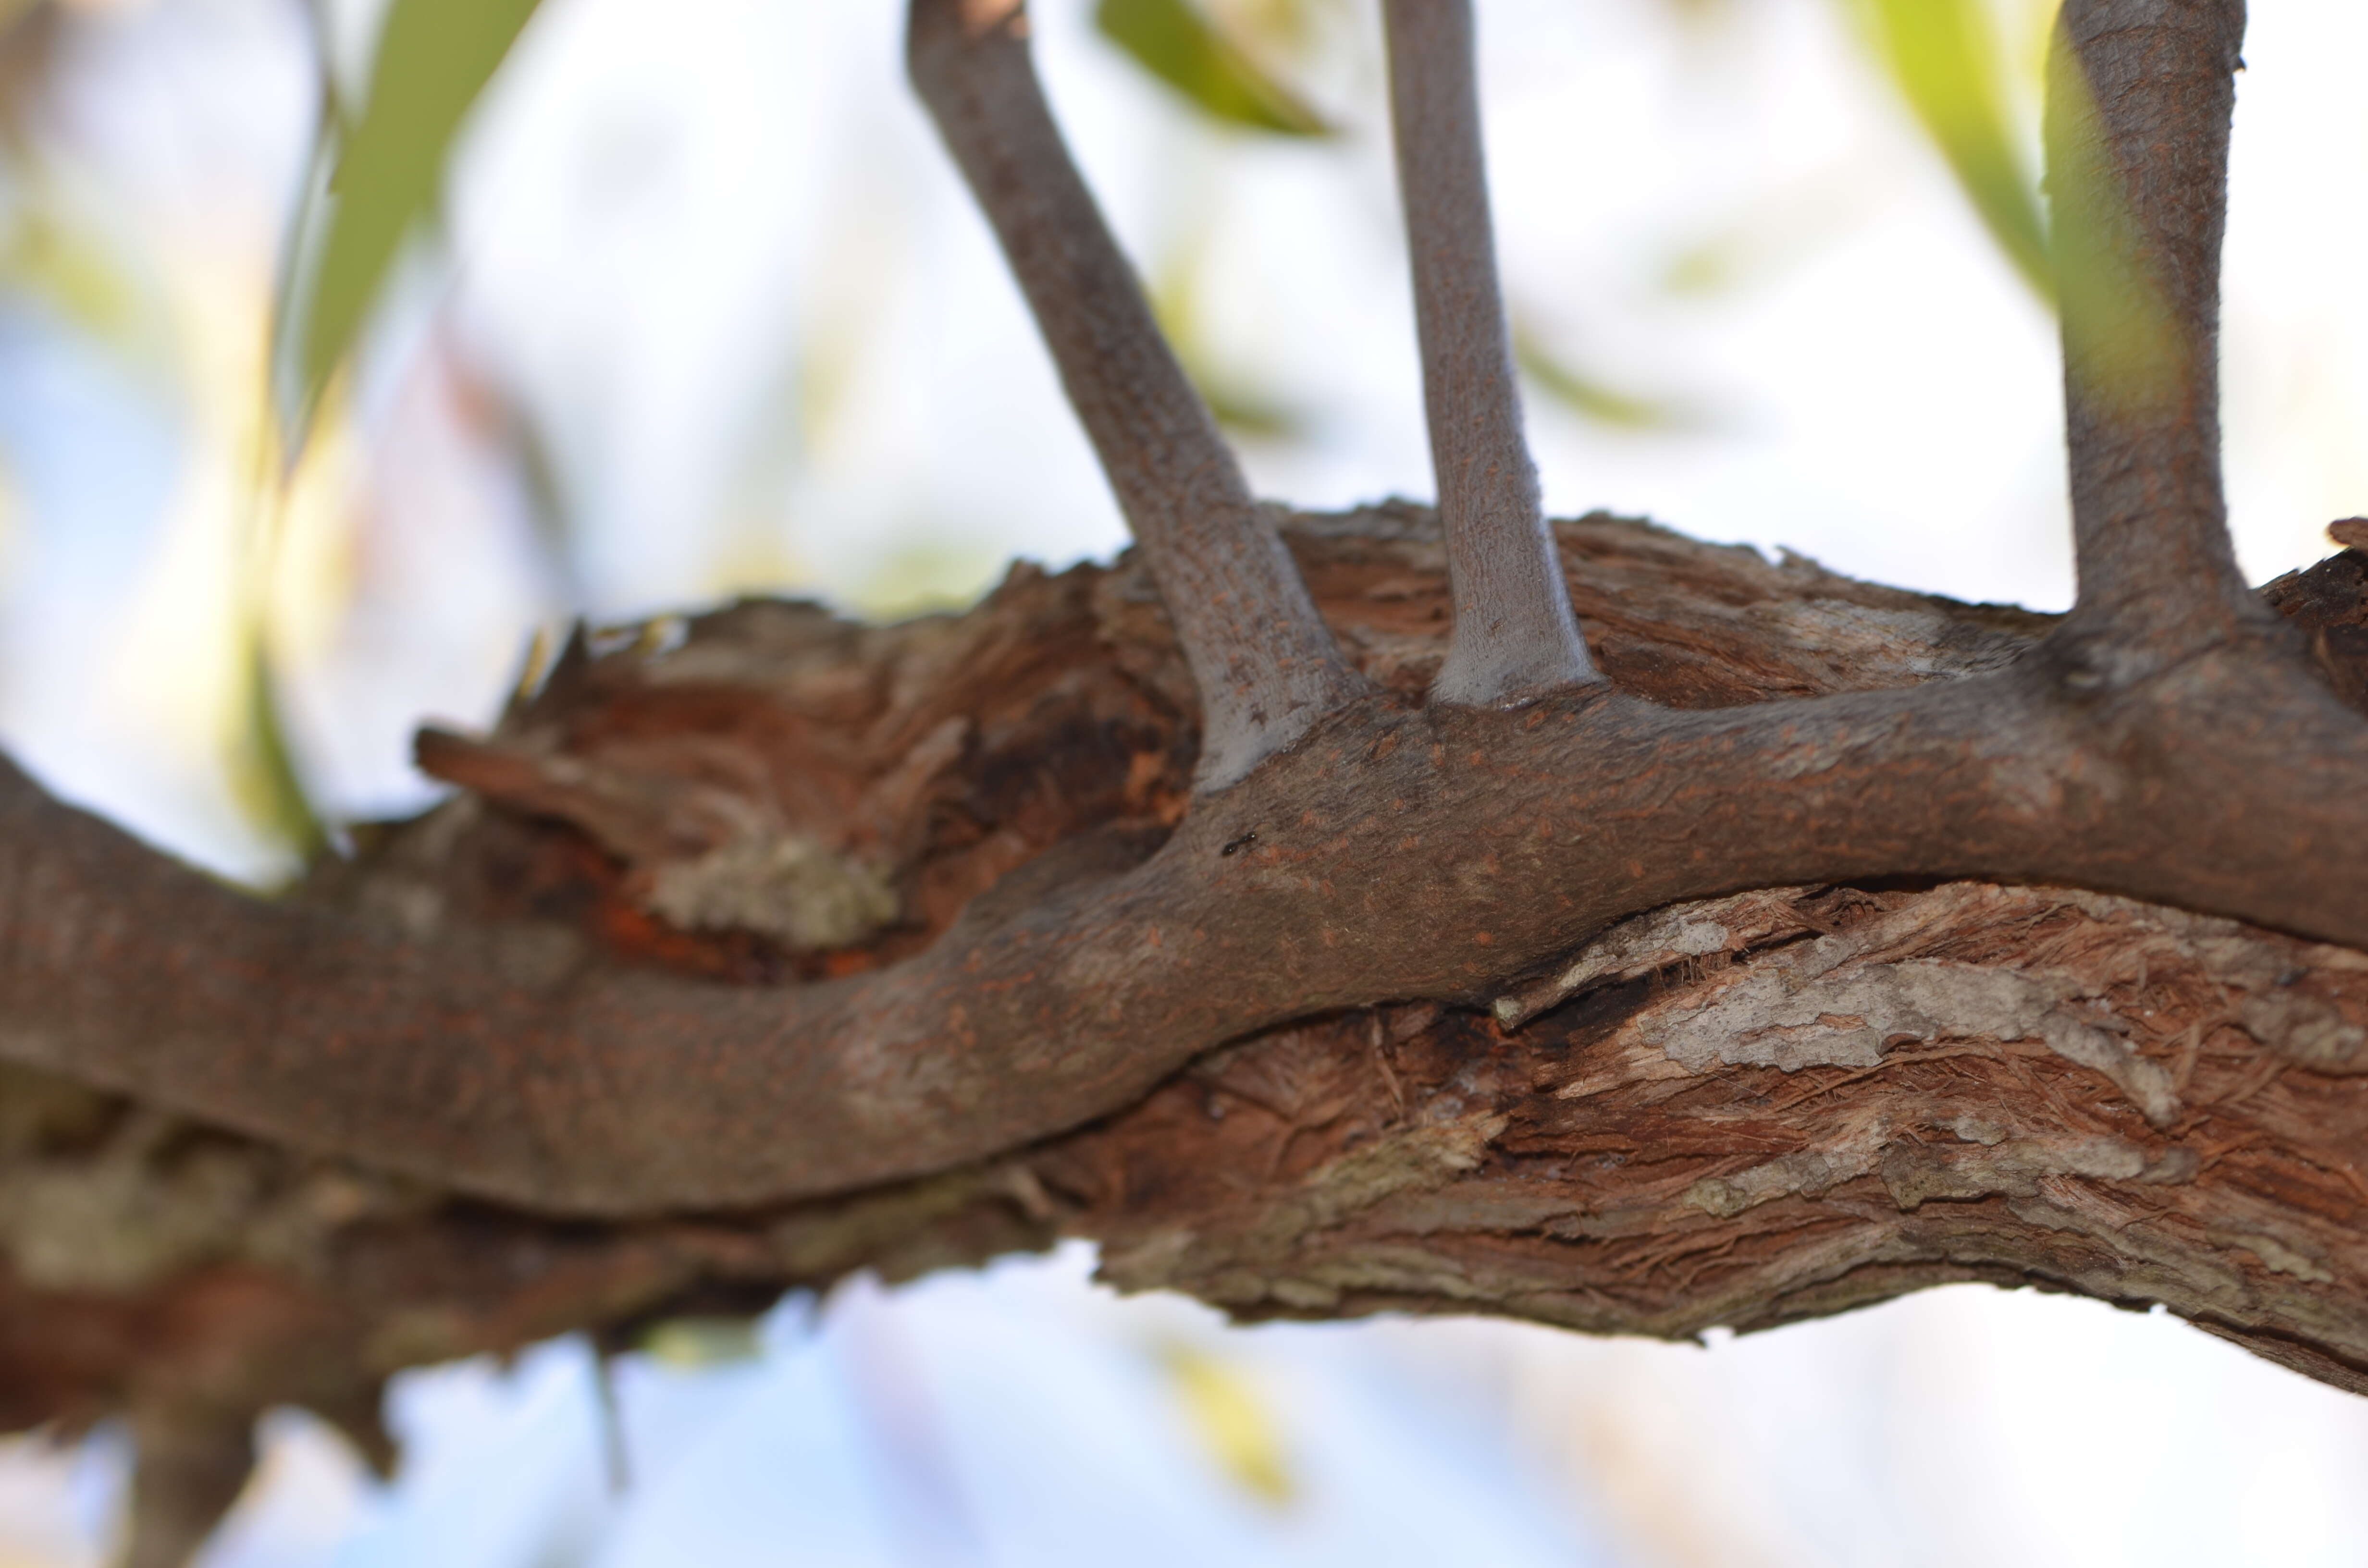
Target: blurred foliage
x: 1781, y: 228
x: 295, y: 525
x: 1178, y: 300
x: 1244, y: 412
x: 1592, y: 396
x: 69, y: 269
x: 1234, y: 1425
x: 57, y: 248
x: 264, y: 780
x: 433, y: 60
x: 933, y: 569
x: 1944, y: 59
x: 694, y: 1342
x: 1702, y: 16
x: 1176, y: 43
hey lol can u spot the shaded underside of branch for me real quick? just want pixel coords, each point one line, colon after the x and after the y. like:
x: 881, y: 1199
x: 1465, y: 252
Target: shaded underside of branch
x: 827, y: 794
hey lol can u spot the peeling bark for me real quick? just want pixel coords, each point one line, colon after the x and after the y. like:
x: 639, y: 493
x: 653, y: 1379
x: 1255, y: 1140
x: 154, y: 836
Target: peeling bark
x: 1743, y: 1109
x: 1839, y: 941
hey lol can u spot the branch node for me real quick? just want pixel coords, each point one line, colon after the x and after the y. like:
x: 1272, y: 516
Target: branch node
x: 2139, y: 97
x: 1264, y: 662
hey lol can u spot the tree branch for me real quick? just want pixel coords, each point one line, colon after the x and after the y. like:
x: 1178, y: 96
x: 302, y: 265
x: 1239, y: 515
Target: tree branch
x: 1738, y: 1111
x: 1749, y: 1111
x: 2139, y: 97
x: 1265, y: 665
x: 1610, y: 1009
x: 1515, y: 637
x: 1398, y: 853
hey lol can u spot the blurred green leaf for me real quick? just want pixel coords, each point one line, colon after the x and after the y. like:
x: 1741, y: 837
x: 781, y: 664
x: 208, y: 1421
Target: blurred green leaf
x: 932, y: 569
x: 1942, y: 58
x: 1245, y: 412
x: 693, y: 1341
x: 1782, y: 227
x: 433, y: 59
x: 264, y: 778
x: 1228, y: 1413
x: 1177, y: 294
x: 65, y: 267
x: 1702, y: 17
x: 1174, y: 42
x: 1592, y: 397
x: 1711, y: 266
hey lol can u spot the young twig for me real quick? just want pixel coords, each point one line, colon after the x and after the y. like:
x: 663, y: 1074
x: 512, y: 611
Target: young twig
x: 2139, y: 97
x: 1265, y: 664
x: 1515, y: 635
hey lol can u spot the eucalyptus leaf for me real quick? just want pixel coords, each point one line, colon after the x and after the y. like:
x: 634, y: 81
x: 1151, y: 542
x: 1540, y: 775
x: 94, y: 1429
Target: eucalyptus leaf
x: 1594, y: 397
x: 265, y: 779
x: 1176, y: 43
x: 1942, y: 58
x: 433, y: 59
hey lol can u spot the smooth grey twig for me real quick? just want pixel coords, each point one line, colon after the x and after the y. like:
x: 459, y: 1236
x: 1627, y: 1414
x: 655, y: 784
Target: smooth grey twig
x: 1515, y: 635
x: 2140, y: 93
x: 1265, y: 662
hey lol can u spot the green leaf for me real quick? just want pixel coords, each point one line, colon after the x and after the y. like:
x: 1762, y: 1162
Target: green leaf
x: 694, y: 1342
x: 1941, y: 56
x: 264, y: 776
x: 1177, y: 294
x: 433, y: 59
x: 1247, y: 412
x: 1593, y: 398
x: 66, y: 267
x: 1174, y: 42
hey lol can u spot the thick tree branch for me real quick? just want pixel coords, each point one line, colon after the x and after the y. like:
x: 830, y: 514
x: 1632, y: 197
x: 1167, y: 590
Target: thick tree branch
x: 1514, y: 633
x: 1265, y: 666
x: 1396, y: 853
x: 1736, y: 1110
x: 2139, y: 97
x: 1643, y: 1008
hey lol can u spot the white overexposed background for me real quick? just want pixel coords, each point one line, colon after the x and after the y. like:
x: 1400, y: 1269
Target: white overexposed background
x: 705, y: 262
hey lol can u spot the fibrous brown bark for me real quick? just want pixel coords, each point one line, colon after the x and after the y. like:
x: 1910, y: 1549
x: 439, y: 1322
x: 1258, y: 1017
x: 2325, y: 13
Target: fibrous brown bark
x: 1838, y: 942
x: 1400, y: 852
x: 1742, y: 1111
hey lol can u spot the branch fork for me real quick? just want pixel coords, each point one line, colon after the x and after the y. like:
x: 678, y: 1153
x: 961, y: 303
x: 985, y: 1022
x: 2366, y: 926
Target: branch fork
x: 2165, y: 743
x: 1354, y: 847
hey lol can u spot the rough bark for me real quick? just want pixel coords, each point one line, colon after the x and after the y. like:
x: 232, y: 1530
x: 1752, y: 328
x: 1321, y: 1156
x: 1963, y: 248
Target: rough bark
x: 1742, y: 1111
x: 1399, y: 852
x: 1798, y: 963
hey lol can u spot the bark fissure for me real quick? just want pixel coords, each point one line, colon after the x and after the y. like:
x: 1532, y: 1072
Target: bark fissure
x: 1585, y: 1156
x: 1400, y: 852
x: 1838, y: 942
